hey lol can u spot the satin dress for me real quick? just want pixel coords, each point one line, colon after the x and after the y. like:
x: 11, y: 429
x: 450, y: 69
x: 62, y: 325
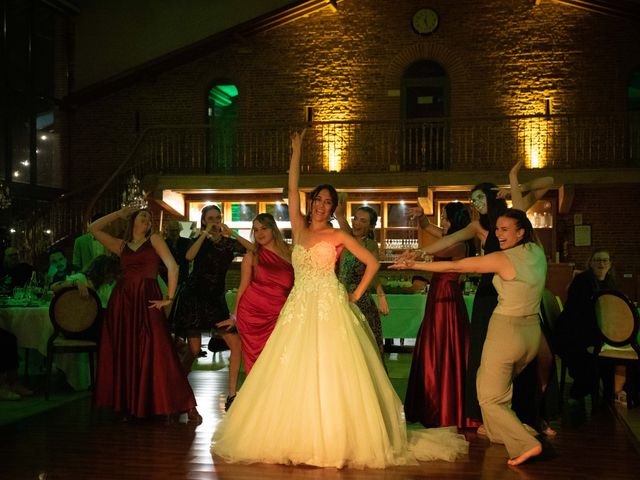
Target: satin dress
x: 261, y: 302
x: 435, y: 390
x: 318, y: 393
x: 139, y: 372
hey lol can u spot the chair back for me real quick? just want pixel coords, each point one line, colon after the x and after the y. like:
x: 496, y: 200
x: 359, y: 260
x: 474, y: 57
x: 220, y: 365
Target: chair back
x: 617, y: 319
x: 550, y: 309
x: 76, y: 317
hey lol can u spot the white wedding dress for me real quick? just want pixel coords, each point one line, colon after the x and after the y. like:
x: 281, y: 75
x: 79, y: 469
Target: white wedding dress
x: 318, y: 393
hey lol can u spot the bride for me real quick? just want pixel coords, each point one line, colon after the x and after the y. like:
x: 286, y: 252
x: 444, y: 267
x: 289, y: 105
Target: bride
x: 318, y: 393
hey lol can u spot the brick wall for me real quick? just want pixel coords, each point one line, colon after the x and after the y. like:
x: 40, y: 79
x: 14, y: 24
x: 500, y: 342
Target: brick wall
x: 502, y: 57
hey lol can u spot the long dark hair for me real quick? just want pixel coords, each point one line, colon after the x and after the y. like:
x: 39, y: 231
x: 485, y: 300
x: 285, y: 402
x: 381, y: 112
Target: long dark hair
x: 373, y: 219
x: 495, y: 206
x: 522, y: 222
x: 459, y: 217
x: 205, y: 210
x: 128, y: 233
x: 334, y: 199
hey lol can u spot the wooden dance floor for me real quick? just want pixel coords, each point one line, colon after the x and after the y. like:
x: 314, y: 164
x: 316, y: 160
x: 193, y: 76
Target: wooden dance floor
x: 74, y: 442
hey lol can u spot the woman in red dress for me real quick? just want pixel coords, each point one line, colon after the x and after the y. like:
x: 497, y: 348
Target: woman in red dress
x: 139, y: 373
x: 435, y: 391
x: 266, y: 278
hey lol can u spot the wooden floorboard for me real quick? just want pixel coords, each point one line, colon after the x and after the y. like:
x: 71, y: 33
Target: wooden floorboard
x: 75, y: 442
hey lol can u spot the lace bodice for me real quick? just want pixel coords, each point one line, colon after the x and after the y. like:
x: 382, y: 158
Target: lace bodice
x: 316, y: 263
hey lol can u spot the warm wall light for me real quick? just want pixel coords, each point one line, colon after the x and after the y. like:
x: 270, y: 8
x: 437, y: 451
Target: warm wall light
x: 534, y: 159
x: 533, y: 140
x: 335, y: 157
x: 333, y: 151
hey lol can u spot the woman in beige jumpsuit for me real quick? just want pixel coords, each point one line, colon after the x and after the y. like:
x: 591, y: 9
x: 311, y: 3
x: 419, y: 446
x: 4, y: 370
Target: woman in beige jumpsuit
x: 514, y: 329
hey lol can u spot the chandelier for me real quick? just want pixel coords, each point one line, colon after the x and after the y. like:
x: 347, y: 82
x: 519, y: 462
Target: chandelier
x: 5, y: 195
x: 134, y: 196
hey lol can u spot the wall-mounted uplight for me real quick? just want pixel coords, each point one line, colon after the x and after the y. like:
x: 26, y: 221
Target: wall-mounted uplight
x: 534, y: 158
x: 334, y: 154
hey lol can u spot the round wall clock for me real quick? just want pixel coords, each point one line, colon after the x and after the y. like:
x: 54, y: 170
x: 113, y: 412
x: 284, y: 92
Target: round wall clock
x: 424, y: 21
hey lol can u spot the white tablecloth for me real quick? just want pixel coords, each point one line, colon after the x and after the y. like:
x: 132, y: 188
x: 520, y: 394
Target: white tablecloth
x: 32, y: 327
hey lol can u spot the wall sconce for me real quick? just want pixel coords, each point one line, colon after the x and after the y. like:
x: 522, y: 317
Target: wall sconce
x: 308, y: 113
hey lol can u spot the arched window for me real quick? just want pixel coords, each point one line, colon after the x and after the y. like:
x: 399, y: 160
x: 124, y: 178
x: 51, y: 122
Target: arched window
x: 222, y: 113
x: 425, y: 108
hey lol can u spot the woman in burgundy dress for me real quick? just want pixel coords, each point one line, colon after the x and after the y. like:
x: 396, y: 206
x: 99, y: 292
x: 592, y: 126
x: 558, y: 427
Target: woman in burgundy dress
x: 265, y: 282
x: 435, y: 391
x: 139, y: 373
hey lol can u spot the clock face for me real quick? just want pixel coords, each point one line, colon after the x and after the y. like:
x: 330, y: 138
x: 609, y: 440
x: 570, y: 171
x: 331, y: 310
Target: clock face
x: 425, y: 21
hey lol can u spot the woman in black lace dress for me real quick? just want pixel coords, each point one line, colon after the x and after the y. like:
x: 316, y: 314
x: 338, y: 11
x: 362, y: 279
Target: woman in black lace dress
x: 201, y: 303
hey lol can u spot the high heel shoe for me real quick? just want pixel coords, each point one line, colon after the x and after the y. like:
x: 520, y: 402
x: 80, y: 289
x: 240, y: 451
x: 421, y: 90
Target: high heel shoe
x: 194, y: 416
x: 228, y: 402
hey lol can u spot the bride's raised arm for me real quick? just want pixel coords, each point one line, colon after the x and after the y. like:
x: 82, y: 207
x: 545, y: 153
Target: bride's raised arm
x: 295, y: 214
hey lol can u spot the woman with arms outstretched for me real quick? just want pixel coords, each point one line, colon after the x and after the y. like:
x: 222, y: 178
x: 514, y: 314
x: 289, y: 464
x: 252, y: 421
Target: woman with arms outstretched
x: 513, y: 336
x: 488, y: 201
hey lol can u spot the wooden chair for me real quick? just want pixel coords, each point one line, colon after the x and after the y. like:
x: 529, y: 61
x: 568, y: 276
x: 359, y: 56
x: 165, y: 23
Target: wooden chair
x: 550, y: 310
x: 76, y: 327
x: 618, y: 322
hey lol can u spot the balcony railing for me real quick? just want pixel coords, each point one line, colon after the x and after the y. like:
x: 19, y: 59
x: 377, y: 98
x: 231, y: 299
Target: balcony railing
x: 554, y: 141
x: 449, y: 144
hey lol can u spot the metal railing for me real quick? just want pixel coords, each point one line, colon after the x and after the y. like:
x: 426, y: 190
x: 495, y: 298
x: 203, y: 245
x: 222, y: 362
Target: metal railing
x: 553, y: 141
x: 447, y: 144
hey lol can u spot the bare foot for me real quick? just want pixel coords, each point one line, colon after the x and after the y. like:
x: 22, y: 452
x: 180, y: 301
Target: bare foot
x: 482, y: 431
x: 547, y: 430
x: 534, y: 452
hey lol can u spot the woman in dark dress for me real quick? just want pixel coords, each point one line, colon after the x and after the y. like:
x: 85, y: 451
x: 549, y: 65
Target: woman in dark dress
x: 435, y: 391
x: 202, y: 304
x: 139, y: 373
x: 577, y: 330
x: 351, y: 269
